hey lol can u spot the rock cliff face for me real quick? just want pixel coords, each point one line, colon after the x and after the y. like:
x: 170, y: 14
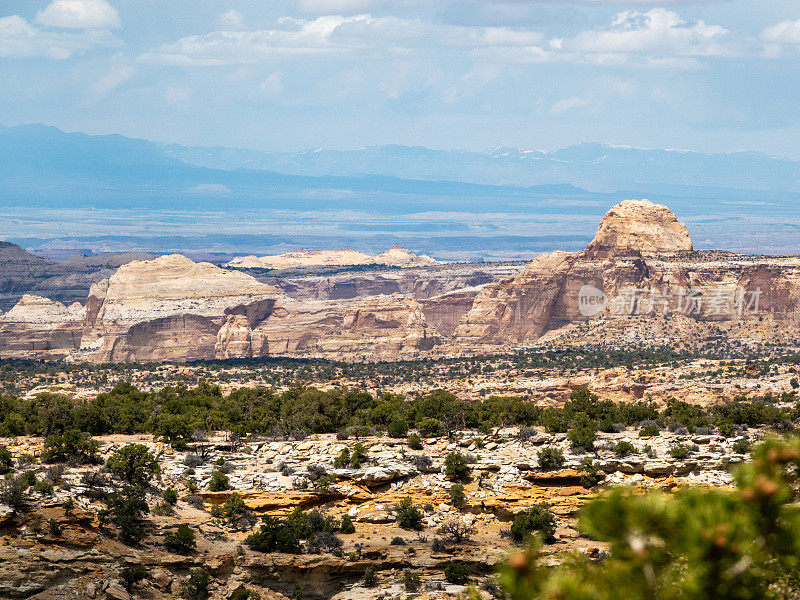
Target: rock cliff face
x: 637, y: 282
x: 639, y: 226
x: 637, y: 268
x: 172, y: 308
x: 39, y: 328
x: 420, y: 283
x: 382, y: 327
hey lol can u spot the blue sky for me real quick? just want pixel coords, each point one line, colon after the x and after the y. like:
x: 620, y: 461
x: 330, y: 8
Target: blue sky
x: 476, y: 74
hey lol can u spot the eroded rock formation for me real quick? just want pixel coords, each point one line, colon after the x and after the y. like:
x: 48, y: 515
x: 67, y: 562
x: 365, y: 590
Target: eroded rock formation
x: 396, y: 256
x: 638, y: 268
x: 172, y: 308
x: 39, y: 328
x: 638, y: 282
x: 639, y: 226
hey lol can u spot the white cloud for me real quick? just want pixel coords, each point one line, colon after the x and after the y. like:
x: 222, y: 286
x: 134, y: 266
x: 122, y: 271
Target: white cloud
x: 338, y: 7
x: 231, y: 19
x: 657, y: 39
x: 116, y: 76
x: 568, y: 105
x: 20, y: 39
x: 657, y: 33
x: 79, y: 14
x: 787, y: 32
x: 273, y: 85
x: 334, y: 34
x: 177, y: 95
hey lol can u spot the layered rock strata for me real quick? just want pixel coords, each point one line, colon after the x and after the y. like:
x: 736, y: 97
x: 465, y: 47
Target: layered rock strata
x: 39, y: 328
x: 638, y: 268
x: 172, y: 308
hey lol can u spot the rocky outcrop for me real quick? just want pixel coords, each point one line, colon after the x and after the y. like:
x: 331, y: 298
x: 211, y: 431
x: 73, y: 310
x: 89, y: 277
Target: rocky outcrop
x: 396, y: 256
x: 40, y: 328
x: 421, y: 283
x: 517, y: 310
x: 381, y: 327
x: 638, y: 282
x: 638, y: 270
x: 172, y: 308
x: 639, y: 226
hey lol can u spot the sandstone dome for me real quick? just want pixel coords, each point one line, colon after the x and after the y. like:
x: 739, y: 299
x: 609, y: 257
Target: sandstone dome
x: 639, y: 226
x: 397, y: 256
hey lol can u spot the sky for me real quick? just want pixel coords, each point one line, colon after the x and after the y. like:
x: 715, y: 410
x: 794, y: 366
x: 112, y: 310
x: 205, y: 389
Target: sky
x: 712, y: 76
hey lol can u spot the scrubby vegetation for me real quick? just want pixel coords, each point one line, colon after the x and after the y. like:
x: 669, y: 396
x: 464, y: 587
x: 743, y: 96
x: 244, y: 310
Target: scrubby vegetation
x: 695, y: 544
x: 176, y: 414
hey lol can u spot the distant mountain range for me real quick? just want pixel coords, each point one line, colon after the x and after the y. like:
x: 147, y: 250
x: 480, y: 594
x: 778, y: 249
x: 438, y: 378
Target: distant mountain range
x: 58, y: 186
x: 593, y: 166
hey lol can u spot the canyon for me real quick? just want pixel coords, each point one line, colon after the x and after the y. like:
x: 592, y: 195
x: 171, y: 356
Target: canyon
x: 638, y: 283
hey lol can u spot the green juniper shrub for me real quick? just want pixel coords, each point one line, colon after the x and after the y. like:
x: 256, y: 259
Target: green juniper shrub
x: 536, y: 520
x: 649, y: 431
x: 408, y: 515
x: 12, y: 492
x: 726, y: 429
x: 343, y: 460
x: 126, y: 509
x: 347, y: 525
x: 679, y: 451
x: 590, y: 472
x: 29, y: 477
x: 457, y: 572
x: 70, y: 445
x: 415, y: 442
x: 43, y: 487
x: 411, y: 581
x: 624, y: 448
x: 551, y: 458
x: 370, y: 579
x: 242, y: 593
x: 181, y: 540
x: 742, y: 446
x: 175, y: 430
x: 133, y: 464
x: 583, y: 433
x: 6, y: 461
x: 170, y: 496
x: 219, y: 482
x: 54, y: 527
x: 359, y: 456
x: 196, y: 585
x: 233, y: 507
x: 275, y: 535
x: 131, y: 575
x: 457, y: 495
x: 398, y: 428
x: 429, y: 427
x: 456, y: 467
